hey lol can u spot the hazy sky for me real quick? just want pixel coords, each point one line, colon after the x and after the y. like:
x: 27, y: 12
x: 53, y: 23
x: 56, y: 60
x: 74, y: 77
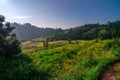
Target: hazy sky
x: 60, y: 13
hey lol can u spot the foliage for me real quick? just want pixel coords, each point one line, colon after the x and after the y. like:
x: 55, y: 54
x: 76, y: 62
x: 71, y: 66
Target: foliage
x: 59, y: 60
x: 9, y: 45
x: 81, y: 61
x: 33, y: 31
x: 46, y: 44
x: 85, y: 32
x: 114, y: 46
x: 89, y: 31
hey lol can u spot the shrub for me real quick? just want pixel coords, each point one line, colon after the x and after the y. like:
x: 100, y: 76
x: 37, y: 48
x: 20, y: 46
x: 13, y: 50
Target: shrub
x: 114, y: 46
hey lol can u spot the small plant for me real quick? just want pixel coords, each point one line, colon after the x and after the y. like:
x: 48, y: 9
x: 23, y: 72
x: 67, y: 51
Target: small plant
x: 96, y: 40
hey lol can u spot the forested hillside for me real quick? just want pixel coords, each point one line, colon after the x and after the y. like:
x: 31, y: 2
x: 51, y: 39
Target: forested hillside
x: 90, y: 31
x: 59, y: 60
x: 59, y: 39
x: 85, y: 32
x: 27, y: 31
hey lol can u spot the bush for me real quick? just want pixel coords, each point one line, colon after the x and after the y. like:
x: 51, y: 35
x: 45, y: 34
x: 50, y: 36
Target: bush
x: 114, y: 46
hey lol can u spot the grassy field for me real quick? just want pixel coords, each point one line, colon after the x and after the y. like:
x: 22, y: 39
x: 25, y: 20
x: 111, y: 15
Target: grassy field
x: 62, y: 61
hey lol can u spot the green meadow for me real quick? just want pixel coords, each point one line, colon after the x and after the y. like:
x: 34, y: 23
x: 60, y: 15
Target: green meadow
x: 61, y: 61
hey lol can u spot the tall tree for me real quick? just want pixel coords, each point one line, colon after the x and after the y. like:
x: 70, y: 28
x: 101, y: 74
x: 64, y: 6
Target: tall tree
x: 9, y: 45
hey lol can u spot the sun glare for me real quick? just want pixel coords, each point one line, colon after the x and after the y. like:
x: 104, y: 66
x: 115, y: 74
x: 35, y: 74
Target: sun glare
x: 3, y: 0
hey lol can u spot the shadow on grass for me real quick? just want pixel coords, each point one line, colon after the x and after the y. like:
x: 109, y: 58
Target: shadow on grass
x: 20, y: 68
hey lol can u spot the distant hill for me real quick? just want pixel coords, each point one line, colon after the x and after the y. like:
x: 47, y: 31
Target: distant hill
x: 27, y: 31
x: 90, y: 31
x: 85, y: 32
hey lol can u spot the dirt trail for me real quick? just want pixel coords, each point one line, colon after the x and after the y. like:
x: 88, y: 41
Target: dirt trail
x: 112, y: 72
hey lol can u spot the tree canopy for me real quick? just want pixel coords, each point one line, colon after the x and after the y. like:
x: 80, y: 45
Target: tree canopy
x: 90, y: 31
x: 9, y: 45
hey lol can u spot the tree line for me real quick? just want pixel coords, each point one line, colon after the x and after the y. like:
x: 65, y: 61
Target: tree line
x: 90, y: 31
x: 9, y: 44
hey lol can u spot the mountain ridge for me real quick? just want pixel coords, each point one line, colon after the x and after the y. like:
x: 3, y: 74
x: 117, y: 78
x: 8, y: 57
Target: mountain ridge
x: 27, y: 31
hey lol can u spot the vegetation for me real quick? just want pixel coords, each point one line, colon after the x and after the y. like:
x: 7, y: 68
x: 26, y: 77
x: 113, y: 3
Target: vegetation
x: 85, y: 32
x: 9, y: 45
x: 81, y: 61
x: 71, y: 59
x: 32, y: 30
x: 89, y: 31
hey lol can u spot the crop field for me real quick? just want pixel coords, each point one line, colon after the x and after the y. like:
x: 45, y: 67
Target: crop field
x: 61, y: 61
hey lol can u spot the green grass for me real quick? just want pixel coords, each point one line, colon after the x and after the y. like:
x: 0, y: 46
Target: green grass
x: 62, y: 61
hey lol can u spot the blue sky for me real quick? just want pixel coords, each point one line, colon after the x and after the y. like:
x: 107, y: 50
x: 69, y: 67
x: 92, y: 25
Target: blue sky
x: 60, y: 13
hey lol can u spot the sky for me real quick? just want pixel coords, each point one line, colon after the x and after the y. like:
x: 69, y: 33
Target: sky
x: 60, y: 13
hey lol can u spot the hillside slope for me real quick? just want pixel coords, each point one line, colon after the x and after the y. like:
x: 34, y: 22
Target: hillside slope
x: 27, y: 31
x: 90, y: 31
x: 81, y: 61
x: 109, y: 30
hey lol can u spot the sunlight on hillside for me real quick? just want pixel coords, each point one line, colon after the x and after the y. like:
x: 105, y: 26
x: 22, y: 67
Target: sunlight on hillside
x: 81, y: 61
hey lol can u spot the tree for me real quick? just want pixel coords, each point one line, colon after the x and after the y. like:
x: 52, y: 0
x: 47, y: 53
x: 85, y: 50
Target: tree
x: 115, y: 29
x: 70, y: 36
x: 104, y: 34
x: 46, y: 43
x: 9, y: 45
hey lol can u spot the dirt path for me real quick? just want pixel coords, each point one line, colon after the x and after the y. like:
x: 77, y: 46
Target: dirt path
x: 112, y: 72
